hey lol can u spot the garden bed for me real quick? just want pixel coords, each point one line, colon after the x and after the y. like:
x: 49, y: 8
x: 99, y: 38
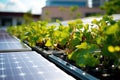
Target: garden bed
x: 93, y: 48
x: 60, y: 59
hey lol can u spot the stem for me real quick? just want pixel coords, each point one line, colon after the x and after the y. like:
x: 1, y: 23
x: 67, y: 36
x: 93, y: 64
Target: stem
x: 70, y: 49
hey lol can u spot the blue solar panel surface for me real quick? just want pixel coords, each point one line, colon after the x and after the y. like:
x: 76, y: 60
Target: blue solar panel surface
x: 9, y: 43
x: 29, y: 66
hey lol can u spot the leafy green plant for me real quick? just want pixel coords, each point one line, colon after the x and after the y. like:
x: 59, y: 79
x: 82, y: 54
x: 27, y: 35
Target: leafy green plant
x: 104, y: 37
x: 83, y: 43
x: 109, y: 9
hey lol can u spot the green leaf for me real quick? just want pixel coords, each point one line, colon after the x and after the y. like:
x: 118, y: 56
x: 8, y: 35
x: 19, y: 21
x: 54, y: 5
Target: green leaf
x: 74, y: 55
x: 63, y: 41
x: 87, y: 59
x: 77, y: 35
x: 82, y: 46
x: 64, y: 34
x: 35, y: 38
x: 56, y: 33
x: 88, y: 37
x: 94, y: 21
x: 48, y: 43
x: 74, y: 42
x: 79, y: 21
x: 112, y: 29
x: 100, y: 40
x: 81, y: 61
x: 86, y: 27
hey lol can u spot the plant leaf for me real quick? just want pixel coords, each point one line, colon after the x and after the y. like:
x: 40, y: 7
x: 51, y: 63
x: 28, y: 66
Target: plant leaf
x: 48, y: 43
x: 82, y: 46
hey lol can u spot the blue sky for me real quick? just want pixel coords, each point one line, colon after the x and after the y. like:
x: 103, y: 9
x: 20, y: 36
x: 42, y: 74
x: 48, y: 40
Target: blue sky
x: 22, y: 5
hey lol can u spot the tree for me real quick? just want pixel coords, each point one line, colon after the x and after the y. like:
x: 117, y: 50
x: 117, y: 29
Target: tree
x: 74, y: 13
x: 27, y: 17
x: 73, y: 8
x: 111, y: 7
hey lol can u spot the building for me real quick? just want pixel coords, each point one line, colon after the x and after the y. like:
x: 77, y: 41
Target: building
x: 51, y: 13
x: 97, y: 3
x: 14, y: 18
x: 81, y: 3
x: 12, y: 13
x: 70, y: 9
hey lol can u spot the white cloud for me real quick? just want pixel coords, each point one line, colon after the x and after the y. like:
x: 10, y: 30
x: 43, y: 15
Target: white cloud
x: 13, y: 1
x: 2, y: 5
x: 36, y: 6
x: 23, y: 6
x: 16, y: 5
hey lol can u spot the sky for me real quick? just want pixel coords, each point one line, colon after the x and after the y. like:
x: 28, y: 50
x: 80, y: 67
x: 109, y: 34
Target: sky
x: 22, y: 5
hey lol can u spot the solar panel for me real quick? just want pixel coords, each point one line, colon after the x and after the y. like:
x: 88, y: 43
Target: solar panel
x: 29, y: 66
x: 11, y: 46
x: 5, y: 37
x: 9, y: 43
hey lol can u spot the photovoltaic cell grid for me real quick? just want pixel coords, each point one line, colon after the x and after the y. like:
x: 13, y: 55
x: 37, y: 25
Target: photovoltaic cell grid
x: 29, y: 66
x: 5, y: 37
x: 9, y: 43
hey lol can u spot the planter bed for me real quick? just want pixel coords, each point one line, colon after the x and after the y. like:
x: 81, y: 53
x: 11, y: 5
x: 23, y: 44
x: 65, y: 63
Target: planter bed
x: 91, y: 73
x: 77, y: 44
x: 71, y: 69
x: 99, y: 72
x: 57, y: 58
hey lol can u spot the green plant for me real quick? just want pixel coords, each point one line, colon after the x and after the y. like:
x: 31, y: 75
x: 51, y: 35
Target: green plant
x: 104, y: 37
x: 28, y: 17
x: 108, y: 7
x: 83, y: 43
x: 32, y: 33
